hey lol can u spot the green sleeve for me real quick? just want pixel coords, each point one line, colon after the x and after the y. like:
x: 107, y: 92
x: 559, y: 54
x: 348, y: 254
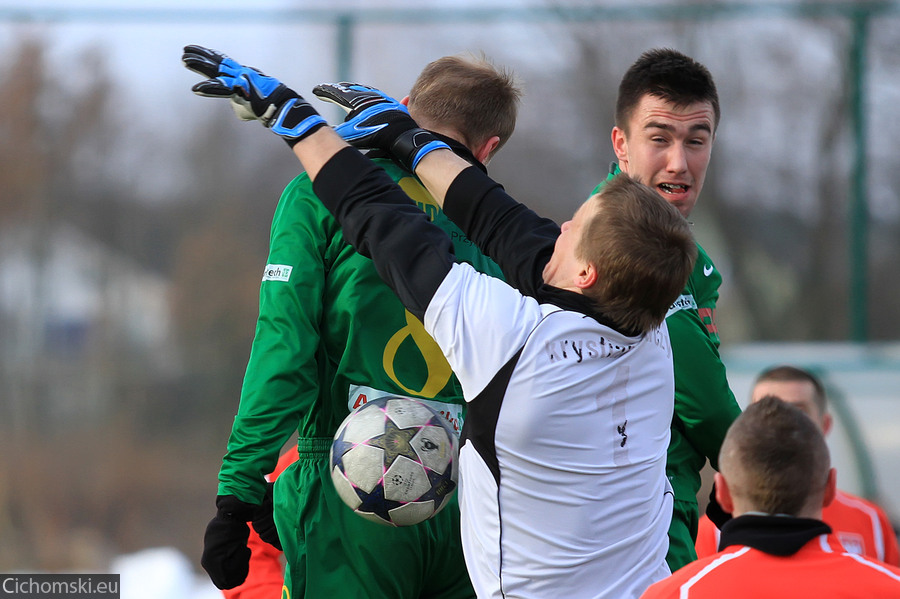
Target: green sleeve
x: 704, y: 405
x: 281, y: 383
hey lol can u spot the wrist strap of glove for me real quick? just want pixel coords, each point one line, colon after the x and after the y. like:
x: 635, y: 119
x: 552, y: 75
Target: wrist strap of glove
x: 295, y: 120
x: 412, y: 145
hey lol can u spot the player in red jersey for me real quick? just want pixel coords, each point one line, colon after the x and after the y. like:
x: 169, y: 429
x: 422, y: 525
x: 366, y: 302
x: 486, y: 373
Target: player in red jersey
x: 861, y: 526
x: 775, y: 476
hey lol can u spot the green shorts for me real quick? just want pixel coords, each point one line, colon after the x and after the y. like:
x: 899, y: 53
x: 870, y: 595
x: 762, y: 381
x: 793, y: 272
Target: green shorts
x: 332, y: 552
x: 682, y: 534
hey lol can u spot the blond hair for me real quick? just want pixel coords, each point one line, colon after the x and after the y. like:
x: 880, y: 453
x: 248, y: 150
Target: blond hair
x: 469, y: 95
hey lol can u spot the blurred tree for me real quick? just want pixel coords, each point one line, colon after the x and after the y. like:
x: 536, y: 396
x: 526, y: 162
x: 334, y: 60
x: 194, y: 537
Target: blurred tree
x: 220, y: 256
x: 779, y: 251
x: 107, y: 422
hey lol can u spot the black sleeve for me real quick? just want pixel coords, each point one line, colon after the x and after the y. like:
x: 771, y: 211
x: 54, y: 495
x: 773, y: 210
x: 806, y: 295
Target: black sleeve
x: 517, y: 239
x: 412, y: 255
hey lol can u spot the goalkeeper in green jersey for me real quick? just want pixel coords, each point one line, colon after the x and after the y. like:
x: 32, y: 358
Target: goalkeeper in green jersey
x: 667, y: 113
x: 331, y: 335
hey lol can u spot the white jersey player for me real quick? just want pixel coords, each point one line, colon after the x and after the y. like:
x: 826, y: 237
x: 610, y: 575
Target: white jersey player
x: 566, y: 368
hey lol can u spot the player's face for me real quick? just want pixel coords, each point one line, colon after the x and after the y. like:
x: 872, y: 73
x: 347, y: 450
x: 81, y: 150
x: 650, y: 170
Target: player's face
x: 565, y: 266
x: 799, y: 393
x: 667, y: 148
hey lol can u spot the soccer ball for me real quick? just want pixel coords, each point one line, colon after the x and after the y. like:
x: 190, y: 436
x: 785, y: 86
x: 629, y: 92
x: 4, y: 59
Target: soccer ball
x: 394, y: 461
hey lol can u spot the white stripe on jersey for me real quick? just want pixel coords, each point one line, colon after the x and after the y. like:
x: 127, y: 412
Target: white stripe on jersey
x: 684, y: 591
x: 877, y: 531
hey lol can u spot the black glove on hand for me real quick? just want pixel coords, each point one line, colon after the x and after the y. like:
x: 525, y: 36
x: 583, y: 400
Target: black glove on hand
x: 375, y: 120
x: 253, y: 95
x: 264, y: 521
x: 226, y: 557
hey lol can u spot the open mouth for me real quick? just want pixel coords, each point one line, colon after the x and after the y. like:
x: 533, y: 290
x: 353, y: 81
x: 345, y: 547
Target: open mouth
x: 673, y: 188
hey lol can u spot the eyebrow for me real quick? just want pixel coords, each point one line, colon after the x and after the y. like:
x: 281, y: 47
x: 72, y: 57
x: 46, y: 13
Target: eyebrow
x: 667, y: 127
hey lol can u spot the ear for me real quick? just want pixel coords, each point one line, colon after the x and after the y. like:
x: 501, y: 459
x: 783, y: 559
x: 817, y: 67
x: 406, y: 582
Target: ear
x: 405, y: 101
x: 827, y: 422
x: 830, y: 488
x: 586, y: 277
x: 483, y: 152
x: 723, y: 494
x: 620, y: 147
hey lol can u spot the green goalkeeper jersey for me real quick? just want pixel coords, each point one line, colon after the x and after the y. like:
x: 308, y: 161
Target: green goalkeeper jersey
x: 704, y: 405
x: 330, y: 336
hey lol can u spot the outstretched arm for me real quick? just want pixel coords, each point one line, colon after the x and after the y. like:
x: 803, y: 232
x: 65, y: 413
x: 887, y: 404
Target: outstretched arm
x: 519, y: 240
x: 317, y: 149
x: 412, y: 255
x: 437, y: 170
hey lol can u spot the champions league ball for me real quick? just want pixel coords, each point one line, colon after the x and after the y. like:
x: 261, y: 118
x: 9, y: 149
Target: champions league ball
x: 394, y: 461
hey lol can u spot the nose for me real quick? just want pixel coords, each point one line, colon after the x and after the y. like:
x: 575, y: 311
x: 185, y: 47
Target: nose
x: 677, y: 159
x: 565, y: 226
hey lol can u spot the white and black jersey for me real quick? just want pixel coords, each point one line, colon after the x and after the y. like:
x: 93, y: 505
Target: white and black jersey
x: 562, y: 467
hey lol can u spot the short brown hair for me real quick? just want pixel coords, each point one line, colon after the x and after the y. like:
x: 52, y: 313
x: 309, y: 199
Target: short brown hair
x: 669, y: 75
x: 775, y: 458
x: 469, y: 95
x: 643, y: 251
x: 792, y: 374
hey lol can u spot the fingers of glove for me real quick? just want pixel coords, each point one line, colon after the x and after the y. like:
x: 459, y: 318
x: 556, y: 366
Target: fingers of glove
x: 202, y: 60
x: 325, y: 93
x: 226, y: 75
x: 218, y: 87
x: 337, y: 93
x: 246, y: 106
x: 226, y: 557
x: 353, y: 97
x: 210, y: 62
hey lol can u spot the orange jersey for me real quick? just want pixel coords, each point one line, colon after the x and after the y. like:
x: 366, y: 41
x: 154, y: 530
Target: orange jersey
x: 861, y: 526
x: 821, y: 568
x: 266, y: 576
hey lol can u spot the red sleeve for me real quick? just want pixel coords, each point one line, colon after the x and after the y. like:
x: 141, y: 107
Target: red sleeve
x: 707, y: 538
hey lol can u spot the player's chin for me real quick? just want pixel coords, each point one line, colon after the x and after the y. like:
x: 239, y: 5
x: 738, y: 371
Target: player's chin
x: 683, y: 202
x: 547, y: 274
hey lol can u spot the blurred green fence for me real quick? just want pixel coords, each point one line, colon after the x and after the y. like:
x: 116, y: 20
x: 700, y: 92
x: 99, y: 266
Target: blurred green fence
x: 346, y: 22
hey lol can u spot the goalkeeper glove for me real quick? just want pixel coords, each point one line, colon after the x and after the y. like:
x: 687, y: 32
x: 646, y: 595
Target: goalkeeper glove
x: 253, y: 95
x: 375, y: 120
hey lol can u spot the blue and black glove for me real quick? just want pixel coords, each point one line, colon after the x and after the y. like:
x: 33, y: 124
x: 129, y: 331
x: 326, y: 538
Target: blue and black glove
x: 254, y: 96
x: 377, y: 121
